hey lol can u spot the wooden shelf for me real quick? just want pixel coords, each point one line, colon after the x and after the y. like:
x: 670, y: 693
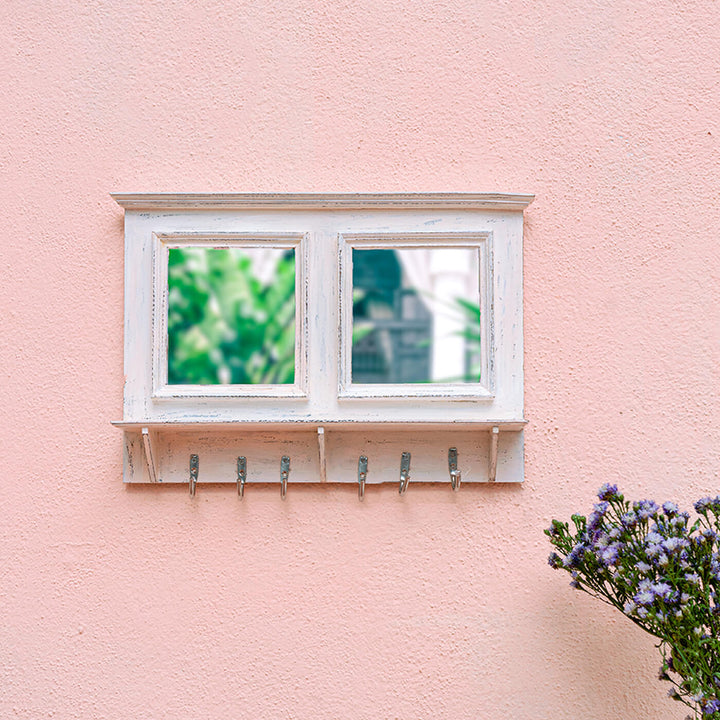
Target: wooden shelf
x: 158, y: 451
x: 292, y: 425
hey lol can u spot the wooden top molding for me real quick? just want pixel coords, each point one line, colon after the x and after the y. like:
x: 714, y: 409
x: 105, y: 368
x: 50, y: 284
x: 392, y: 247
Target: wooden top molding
x: 320, y: 201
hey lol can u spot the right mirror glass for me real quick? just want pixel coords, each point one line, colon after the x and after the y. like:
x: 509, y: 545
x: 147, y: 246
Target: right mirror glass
x: 416, y: 315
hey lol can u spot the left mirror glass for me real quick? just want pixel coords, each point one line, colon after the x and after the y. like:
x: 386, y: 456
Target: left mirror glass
x: 231, y: 316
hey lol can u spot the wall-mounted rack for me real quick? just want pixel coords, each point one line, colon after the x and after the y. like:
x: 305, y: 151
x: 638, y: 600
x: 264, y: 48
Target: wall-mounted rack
x: 481, y: 451
x: 434, y: 394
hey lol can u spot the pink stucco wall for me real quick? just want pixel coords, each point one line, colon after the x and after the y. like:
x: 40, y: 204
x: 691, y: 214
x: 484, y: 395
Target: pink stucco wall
x: 135, y: 602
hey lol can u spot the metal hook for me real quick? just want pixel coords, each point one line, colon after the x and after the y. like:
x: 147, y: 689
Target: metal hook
x: 194, y: 470
x: 284, y: 473
x: 362, y: 476
x: 241, y: 476
x: 453, y: 468
x: 404, y: 472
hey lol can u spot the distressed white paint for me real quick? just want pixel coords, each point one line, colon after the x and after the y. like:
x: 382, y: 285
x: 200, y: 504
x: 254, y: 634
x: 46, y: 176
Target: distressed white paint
x: 162, y: 243
x: 436, y: 240
x: 494, y: 446
x: 265, y: 422
x: 321, y: 201
x: 219, y: 448
x: 321, y: 454
x: 149, y: 456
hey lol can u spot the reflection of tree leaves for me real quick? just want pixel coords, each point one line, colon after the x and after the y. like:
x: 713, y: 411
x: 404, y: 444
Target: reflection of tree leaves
x: 361, y: 330
x: 471, y: 309
x: 471, y: 313
x: 472, y: 334
x: 225, y: 325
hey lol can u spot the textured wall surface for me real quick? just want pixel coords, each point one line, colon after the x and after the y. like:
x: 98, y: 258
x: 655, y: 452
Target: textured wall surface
x: 135, y: 602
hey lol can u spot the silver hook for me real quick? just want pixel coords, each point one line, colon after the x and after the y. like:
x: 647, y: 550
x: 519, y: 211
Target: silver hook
x: 404, y: 472
x: 241, y: 476
x: 284, y: 473
x: 453, y: 468
x: 194, y: 470
x: 362, y: 476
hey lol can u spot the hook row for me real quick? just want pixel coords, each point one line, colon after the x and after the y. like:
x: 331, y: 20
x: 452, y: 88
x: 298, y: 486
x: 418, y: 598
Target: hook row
x: 362, y: 473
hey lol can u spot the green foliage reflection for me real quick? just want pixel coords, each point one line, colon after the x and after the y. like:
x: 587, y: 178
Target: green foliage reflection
x: 225, y: 325
x: 472, y: 335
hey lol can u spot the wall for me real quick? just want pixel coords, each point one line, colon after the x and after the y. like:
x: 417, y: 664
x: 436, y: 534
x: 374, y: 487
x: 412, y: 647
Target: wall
x: 124, y: 602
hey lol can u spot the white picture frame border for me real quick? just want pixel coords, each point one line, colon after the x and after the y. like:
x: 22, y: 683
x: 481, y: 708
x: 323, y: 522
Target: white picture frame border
x: 162, y: 242
x: 322, y: 433
x: 483, y: 241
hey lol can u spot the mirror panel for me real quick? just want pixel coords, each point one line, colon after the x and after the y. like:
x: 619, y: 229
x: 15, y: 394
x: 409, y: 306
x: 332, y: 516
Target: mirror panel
x: 416, y: 315
x: 231, y: 316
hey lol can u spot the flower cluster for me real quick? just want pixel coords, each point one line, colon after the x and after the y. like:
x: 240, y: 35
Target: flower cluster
x: 663, y: 573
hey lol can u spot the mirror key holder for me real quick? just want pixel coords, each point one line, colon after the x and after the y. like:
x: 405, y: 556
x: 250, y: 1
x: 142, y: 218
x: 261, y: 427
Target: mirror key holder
x: 387, y: 335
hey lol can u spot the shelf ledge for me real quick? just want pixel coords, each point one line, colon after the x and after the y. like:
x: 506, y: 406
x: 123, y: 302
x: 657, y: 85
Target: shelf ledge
x: 260, y: 425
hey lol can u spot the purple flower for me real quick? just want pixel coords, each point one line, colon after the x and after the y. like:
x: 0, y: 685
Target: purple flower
x: 662, y: 570
x: 644, y: 597
x: 662, y: 590
x: 601, y: 507
x: 680, y: 520
x: 674, y: 543
x: 702, y: 504
x: 575, y: 556
x: 601, y: 540
x: 609, y: 555
x: 608, y: 492
x: 646, y: 509
x: 594, y: 521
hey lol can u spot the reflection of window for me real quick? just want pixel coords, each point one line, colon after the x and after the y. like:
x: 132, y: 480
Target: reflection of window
x: 420, y: 323
x: 416, y: 315
x: 392, y: 327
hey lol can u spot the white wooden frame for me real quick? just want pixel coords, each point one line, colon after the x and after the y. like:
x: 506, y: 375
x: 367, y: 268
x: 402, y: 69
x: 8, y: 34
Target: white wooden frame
x: 323, y: 420
x: 483, y: 243
x: 163, y: 242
